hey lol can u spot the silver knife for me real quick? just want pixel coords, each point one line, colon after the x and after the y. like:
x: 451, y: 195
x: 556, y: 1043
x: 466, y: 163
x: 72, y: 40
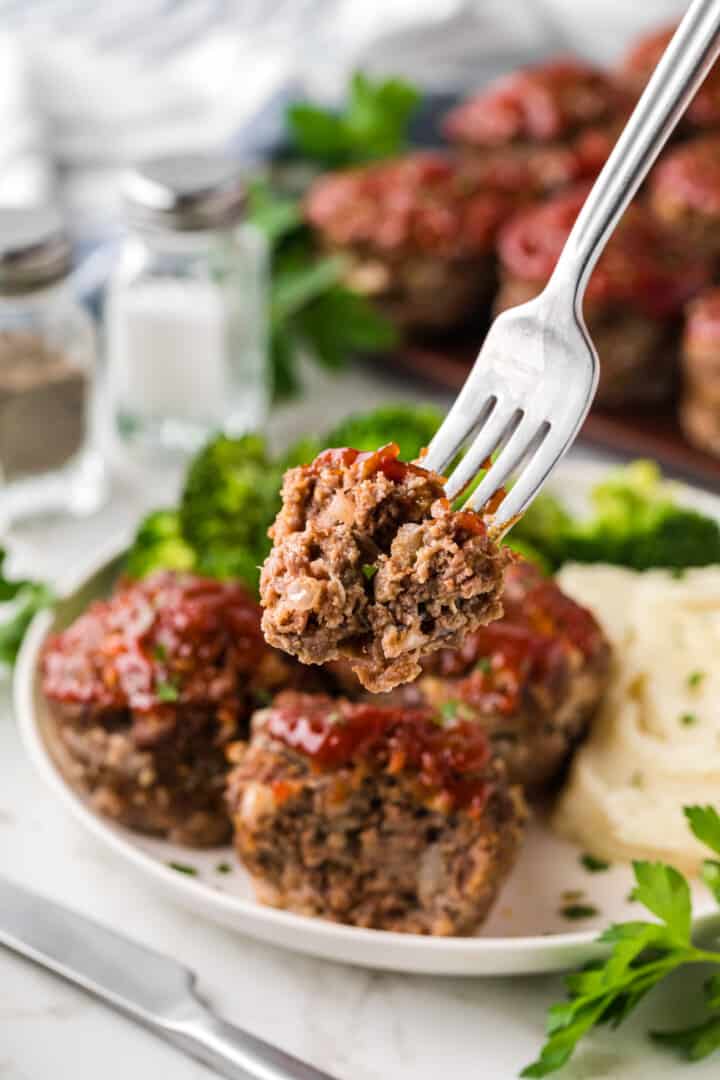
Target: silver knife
x: 143, y: 984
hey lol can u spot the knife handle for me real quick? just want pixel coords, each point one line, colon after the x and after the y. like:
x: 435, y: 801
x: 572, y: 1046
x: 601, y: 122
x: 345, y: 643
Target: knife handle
x: 235, y: 1053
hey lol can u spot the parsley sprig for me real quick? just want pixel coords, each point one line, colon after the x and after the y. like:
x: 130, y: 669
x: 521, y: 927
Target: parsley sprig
x: 642, y: 955
x: 21, y: 600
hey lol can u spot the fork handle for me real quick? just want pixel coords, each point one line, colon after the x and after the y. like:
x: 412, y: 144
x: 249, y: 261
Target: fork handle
x: 682, y: 68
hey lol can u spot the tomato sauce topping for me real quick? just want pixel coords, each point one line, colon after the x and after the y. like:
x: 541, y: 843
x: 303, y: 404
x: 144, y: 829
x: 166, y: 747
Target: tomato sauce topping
x: 420, y: 203
x: 530, y: 644
x: 168, y: 639
x: 541, y: 103
x: 447, y: 761
x: 639, y: 267
x: 367, y: 462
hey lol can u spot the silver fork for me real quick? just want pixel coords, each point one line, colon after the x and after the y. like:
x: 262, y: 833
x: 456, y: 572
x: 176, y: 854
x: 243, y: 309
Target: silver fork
x: 534, y: 380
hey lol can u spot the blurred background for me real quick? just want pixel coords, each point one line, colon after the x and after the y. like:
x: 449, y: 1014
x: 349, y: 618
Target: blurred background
x: 86, y: 87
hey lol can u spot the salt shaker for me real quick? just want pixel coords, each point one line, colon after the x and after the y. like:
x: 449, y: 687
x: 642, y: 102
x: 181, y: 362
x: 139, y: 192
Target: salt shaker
x: 48, y: 457
x: 187, y: 309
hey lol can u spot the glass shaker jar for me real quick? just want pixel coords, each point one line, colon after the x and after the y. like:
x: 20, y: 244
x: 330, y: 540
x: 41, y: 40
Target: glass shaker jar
x: 48, y: 458
x: 187, y: 309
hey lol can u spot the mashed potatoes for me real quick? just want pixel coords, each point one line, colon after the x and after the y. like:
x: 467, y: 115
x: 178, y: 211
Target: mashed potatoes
x: 655, y: 747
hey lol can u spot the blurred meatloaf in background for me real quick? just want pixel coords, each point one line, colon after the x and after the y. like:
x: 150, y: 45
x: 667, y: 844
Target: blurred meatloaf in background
x: 418, y: 233
x: 373, y: 815
x: 532, y: 680
x: 700, y: 408
x: 371, y: 564
x: 148, y: 688
x: 544, y: 126
x: 640, y: 61
x: 634, y: 299
x: 685, y: 193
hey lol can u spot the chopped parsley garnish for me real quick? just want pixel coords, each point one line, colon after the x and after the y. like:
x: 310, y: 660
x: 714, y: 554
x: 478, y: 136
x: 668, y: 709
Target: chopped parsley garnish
x: 578, y: 911
x: 183, y: 868
x: 159, y: 653
x: 593, y: 865
x: 223, y: 868
x: 695, y: 679
x: 688, y: 719
x: 369, y: 571
x: 167, y: 691
x: 449, y: 710
x: 641, y: 955
x: 484, y: 664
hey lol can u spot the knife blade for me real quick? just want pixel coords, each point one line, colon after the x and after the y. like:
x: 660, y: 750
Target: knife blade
x: 140, y: 982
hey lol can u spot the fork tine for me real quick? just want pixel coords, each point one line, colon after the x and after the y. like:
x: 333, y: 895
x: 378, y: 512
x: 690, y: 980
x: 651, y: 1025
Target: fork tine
x: 526, y: 439
x: 533, y: 476
x: 486, y: 441
x: 455, y: 429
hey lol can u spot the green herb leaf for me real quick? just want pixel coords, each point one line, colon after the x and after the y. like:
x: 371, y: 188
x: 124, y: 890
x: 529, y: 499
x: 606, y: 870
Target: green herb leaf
x: 449, y: 710
x: 369, y: 571
x: 594, y: 865
x: 484, y: 664
x: 705, y: 824
x: 373, y: 124
x: 695, y: 679
x: 183, y: 868
x: 664, y: 891
x: 711, y: 877
x: 223, y: 868
x: 29, y: 598
x: 578, y: 911
x: 688, y: 719
x: 167, y: 692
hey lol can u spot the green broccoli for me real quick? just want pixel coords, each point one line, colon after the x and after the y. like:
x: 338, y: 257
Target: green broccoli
x: 159, y: 545
x: 410, y: 426
x: 636, y: 523
x: 231, y: 497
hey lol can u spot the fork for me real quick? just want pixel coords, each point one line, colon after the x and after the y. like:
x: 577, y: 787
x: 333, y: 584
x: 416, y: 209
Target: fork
x: 535, y: 378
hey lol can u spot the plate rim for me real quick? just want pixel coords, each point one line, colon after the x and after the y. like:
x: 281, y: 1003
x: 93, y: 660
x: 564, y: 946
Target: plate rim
x: 359, y: 946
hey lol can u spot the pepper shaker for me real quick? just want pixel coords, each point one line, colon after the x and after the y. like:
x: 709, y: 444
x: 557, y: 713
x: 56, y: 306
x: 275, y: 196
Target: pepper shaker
x: 48, y: 457
x: 186, y: 314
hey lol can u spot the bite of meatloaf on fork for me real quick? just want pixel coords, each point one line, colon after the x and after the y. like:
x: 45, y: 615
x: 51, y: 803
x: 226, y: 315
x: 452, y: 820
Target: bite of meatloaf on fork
x: 147, y: 688
x: 532, y: 680
x: 418, y: 235
x: 373, y: 815
x: 369, y: 562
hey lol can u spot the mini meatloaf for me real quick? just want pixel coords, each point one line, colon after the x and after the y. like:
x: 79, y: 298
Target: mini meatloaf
x: 532, y: 680
x: 700, y: 409
x: 370, y: 563
x: 640, y: 61
x: 634, y: 298
x: 554, y: 124
x: 373, y: 815
x: 418, y: 234
x: 685, y: 192
x: 148, y: 688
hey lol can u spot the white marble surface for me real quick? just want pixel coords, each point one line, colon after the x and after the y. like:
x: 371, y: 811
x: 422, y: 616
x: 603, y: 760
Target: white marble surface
x: 358, y: 1025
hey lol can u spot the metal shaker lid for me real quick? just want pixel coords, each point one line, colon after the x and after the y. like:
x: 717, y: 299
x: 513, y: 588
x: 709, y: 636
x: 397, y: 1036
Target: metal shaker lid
x: 34, y: 248
x: 186, y: 192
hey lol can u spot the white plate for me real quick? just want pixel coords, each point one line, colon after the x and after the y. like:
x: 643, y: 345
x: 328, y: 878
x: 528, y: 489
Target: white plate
x: 525, y: 933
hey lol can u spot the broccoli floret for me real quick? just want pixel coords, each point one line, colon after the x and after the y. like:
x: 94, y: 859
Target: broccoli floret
x: 410, y: 426
x: 159, y: 545
x: 231, y: 496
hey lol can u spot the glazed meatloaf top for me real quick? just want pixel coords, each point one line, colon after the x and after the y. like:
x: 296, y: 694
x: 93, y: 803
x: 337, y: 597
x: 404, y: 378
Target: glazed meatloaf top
x: 450, y: 764
x: 423, y: 203
x: 370, y: 563
x: 641, y: 267
x: 688, y: 179
x: 641, y: 60
x: 165, y: 649
x: 549, y: 102
x: 542, y: 637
